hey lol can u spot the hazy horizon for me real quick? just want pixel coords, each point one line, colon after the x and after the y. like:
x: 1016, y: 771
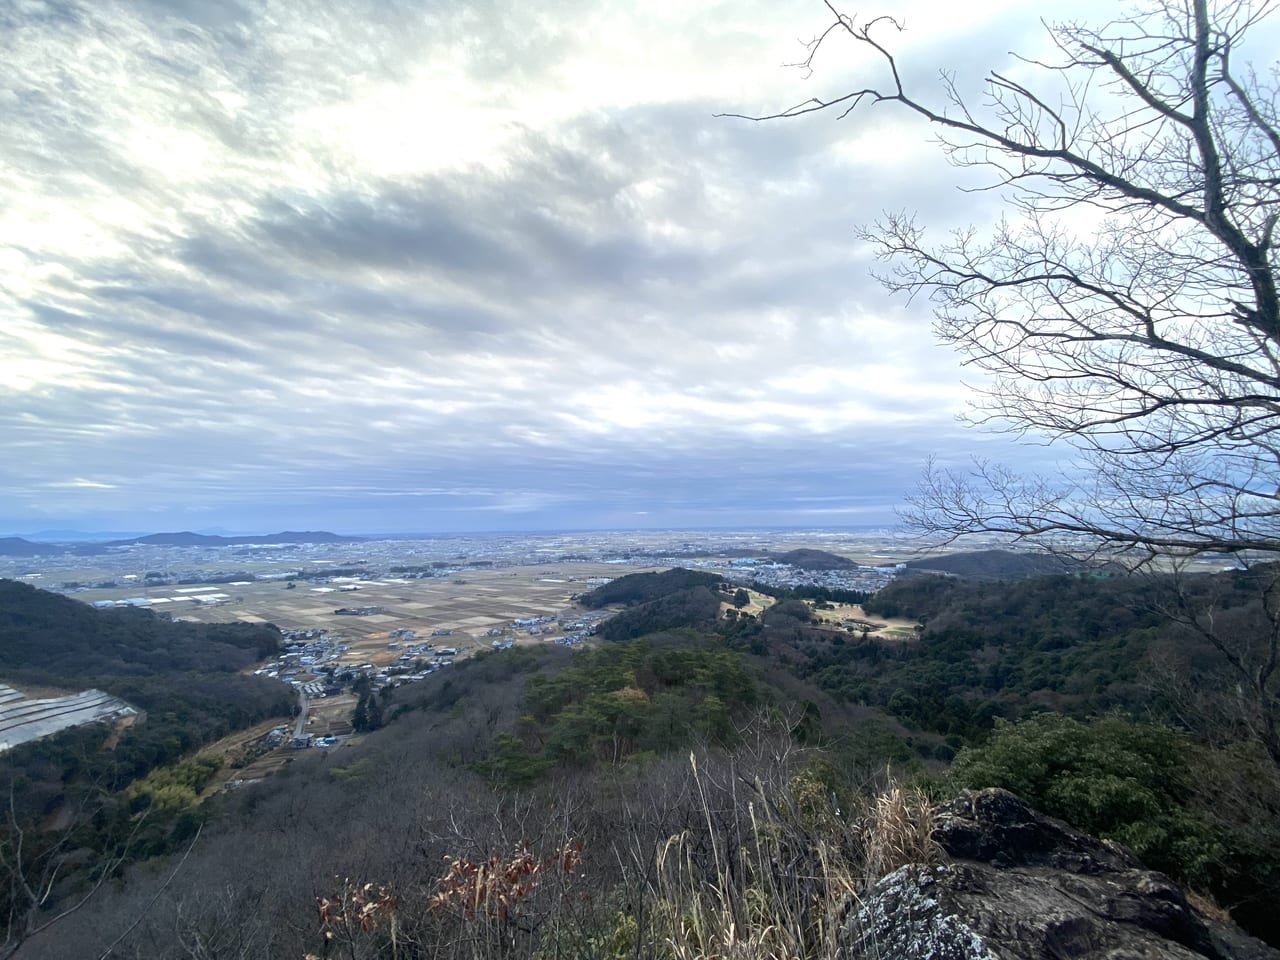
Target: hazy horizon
x: 69, y: 534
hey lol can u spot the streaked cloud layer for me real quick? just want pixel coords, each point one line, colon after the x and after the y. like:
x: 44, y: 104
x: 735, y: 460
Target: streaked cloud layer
x: 398, y: 266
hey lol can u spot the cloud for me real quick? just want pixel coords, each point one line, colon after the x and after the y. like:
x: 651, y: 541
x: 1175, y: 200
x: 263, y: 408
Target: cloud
x: 385, y: 265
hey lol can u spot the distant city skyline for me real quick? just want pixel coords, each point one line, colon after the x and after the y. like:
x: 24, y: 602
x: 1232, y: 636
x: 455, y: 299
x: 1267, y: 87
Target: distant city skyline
x: 370, y: 266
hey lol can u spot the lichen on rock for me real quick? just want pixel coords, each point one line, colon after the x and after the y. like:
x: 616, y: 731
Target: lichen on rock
x: 1023, y: 886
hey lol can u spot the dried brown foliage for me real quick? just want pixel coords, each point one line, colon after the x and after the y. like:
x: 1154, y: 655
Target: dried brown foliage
x: 357, y: 907
x: 500, y: 888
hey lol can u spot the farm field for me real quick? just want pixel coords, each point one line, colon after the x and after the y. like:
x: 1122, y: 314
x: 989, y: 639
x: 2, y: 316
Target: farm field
x: 467, y: 605
x: 235, y: 746
x: 326, y: 717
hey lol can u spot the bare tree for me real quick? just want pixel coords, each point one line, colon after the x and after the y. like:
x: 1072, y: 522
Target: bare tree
x: 33, y: 864
x: 1149, y: 343
x: 1126, y: 309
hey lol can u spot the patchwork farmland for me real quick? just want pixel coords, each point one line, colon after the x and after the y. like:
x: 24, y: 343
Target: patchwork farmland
x: 468, y: 608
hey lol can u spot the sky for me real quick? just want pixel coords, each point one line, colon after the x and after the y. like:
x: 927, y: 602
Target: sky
x: 377, y: 266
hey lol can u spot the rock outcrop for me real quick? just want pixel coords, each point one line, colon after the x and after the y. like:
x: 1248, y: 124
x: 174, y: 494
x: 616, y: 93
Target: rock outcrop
x: 1023, y: 886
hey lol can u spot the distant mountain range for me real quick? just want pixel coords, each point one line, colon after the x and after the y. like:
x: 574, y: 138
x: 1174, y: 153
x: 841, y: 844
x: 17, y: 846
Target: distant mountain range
x: 77, y: 536
x: 21, y: 547
x: 18, y: 547
x: 188, y: 539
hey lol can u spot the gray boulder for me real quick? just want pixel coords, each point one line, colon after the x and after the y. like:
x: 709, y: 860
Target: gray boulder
x: 1023, y: 886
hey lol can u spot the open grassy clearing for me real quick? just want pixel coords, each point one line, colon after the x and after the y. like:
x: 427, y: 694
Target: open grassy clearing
x: 759, y: 602
x: 852, y: 614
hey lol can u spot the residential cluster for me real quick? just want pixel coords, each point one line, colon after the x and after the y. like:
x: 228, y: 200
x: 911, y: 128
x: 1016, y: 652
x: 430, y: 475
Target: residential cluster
x: 747, y: 570
x: 315, y: 662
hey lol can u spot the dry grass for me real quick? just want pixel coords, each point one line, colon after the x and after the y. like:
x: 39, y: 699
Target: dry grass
x: 1209, y: 908
x: 897, y: 830
x: 780, y: 887
x: 752, y: 907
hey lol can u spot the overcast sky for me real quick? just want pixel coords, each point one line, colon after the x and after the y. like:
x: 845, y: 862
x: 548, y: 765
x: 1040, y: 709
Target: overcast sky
x: 379, y: 266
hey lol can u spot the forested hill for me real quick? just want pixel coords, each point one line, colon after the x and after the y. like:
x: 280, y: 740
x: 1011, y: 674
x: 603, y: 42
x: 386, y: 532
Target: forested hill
x: 807, y: 559
x: 187, y: 676
x: 659, y: 601
x: 643, y: 587
x: 996, y: 565
x: 186, y: 680
x: 49, y: 638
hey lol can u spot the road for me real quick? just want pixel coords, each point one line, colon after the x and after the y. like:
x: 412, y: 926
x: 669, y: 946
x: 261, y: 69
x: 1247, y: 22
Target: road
x: 300, y: 728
